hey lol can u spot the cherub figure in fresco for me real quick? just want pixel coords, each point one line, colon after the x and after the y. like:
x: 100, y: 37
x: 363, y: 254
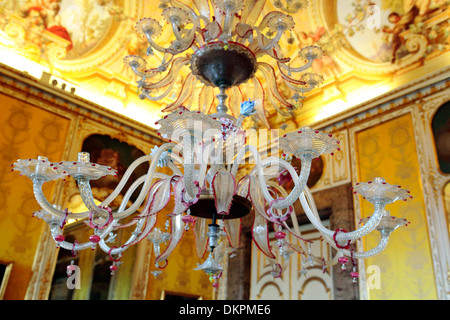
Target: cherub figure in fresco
x: 44, y: 15
x: 415, y: 10
x: 35, y: 16
x: 320, y: 66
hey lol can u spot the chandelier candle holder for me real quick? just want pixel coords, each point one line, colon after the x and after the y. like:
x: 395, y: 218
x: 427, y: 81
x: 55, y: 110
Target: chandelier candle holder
x: 223, y: 44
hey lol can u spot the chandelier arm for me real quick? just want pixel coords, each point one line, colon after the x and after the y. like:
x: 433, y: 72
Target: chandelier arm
x: 295, y: 88
x: 170, y: 77
x: 170, y: 50
x: 259, y: 168
x: 364, y: 230
x: 174, y: 168
x: 42, y: 200
x: 136, y: 234
x: 260, y: 174
x: 131, y: 240
x: 296, y: 232
x: 177, y: 31
x: 150, y: 177
x: 299, y: 69
x: 147, y: 92
x: 370, y: 253
x: 87, y: 245
x: 360, y: 255
x: 299, y: 185
x: 186, y: 8
x: 343, y: 236
x: 204, y: 166
x: 300, y: 181
x: 274, y: 95
x: 363, y: 254
x: 156, y: 46
x: 150, y: 73
x: 120, y: 211
x: 88, y: 198
x: 273, y: 41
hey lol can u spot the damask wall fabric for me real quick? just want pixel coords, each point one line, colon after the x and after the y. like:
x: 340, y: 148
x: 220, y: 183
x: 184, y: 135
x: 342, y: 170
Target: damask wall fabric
x: 27, y: 131
x: 406, y: 270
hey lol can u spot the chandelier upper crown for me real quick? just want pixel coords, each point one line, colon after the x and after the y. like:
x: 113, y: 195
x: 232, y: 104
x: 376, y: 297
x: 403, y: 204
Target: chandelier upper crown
x: 223, y: 65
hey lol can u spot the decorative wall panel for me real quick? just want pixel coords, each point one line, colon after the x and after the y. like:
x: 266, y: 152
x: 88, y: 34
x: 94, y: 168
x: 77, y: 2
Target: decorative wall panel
x: 389, y: 150
x: 295, y: 283
x: 27, y: 131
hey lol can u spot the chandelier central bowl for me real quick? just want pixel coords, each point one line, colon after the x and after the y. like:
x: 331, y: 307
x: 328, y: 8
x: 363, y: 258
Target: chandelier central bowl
x: 206, y: 208
x: 223, y: 64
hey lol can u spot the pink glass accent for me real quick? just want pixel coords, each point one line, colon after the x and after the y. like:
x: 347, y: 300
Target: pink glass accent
x: 94, y: 239
x: 280, y: 235
x: 188, y: 219
x: 59, y: 238
x: 343, y: 260
x: 70, y: 269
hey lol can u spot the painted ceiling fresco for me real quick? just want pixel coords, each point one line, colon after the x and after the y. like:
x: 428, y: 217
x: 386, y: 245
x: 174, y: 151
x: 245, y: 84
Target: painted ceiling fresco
x: 372, y: 47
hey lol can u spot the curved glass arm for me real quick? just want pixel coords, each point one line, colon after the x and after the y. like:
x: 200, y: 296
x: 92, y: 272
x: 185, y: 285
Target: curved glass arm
x: 300, y: 181
x: 88, y: 199
x: 187, y: 40
x: 341, y: 236
x: 83, y: 246
x: 299, y: 69
x: 370, y: 253
x: 273, y: 41
x: 294, y: 219
x: 42, y: 200
x: 147, y: 184
x: 359, y: 255
x: 300, y: 186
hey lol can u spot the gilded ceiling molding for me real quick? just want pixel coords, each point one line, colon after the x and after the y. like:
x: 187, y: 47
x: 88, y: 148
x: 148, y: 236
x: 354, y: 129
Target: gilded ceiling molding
x: 384, y: 104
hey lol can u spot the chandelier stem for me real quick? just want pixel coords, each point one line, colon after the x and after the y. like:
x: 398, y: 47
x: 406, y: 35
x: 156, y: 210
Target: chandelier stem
x: 222, y: 96
x: 213, y: 232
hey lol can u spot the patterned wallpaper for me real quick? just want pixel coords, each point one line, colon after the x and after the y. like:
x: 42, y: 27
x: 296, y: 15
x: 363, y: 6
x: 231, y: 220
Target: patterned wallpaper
x: 26, y: 131
x: 389, y: 150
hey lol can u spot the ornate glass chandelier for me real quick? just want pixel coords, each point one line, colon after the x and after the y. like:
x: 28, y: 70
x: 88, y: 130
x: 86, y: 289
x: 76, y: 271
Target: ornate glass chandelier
x: 205, y: 152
